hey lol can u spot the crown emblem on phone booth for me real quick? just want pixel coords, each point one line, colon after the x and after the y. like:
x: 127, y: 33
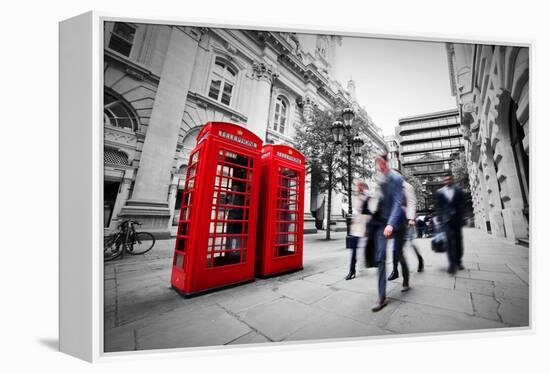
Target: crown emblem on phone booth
x: 240, y: 132
x: 289, y: 152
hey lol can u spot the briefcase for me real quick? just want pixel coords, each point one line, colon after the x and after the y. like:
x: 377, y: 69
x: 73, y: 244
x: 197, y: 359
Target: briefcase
x: 439, y: 242
x: 370, y: 252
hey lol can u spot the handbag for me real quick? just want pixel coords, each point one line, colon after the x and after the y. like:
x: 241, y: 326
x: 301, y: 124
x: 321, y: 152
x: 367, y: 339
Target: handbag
x: 351, y: 241
x: 439, y: 242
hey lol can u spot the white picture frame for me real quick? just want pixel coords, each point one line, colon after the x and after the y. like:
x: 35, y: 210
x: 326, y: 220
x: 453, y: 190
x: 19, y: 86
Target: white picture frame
x: 81, y: 175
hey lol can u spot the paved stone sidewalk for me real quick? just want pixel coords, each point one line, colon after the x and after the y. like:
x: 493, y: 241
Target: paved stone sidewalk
x: 143, y: 312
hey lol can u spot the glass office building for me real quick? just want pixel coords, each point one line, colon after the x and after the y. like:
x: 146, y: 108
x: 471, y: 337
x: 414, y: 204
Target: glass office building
x: 428, y: 143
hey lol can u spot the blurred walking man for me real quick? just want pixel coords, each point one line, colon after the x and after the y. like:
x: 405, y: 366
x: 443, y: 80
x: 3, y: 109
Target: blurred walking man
x: 409, y: 202
x: 388, y: 222
x: 450, y: 201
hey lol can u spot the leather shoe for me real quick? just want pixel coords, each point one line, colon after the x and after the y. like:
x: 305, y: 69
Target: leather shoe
x: 420, y: 264
x: 461, y: 267
x: 393, y: 275
x: 380, y: 305
x: 350, y: 276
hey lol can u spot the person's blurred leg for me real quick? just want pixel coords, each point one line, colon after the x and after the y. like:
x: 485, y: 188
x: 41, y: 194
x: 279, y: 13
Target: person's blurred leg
x: 395, y: 272
x: 460, y: 248
x: 419, y: 257
x: 399, y: 241
x: 381, y: 244
x: 451, y: 249
x: 354, y: 242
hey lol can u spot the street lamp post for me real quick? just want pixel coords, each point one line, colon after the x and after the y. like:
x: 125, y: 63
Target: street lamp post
x: 342, y: 134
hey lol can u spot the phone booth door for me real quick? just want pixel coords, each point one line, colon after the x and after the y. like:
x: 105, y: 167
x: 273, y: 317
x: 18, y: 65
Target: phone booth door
x: 280, y: 238
x: 223, y: 220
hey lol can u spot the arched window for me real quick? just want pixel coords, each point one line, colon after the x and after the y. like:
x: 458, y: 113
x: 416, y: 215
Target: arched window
x: 117, y: 113
x: 222, y: 81
x: 280, y: 116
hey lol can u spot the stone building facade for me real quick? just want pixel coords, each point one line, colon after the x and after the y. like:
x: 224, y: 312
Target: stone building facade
x: 162, y: 83
x: 491, y: 85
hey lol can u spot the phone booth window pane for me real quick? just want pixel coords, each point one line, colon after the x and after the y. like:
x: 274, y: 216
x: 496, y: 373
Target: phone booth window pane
x: 179, y: 260
x: 287, y: 209
x: 230, y: 206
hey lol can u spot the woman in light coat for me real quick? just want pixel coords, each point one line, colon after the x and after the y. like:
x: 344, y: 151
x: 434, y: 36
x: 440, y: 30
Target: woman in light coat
x: 358, y: 224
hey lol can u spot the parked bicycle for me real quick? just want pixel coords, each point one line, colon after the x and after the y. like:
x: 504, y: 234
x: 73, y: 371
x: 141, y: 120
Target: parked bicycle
x: 128, y: 240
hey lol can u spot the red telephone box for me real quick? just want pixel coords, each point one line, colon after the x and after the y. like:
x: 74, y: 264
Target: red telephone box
x: 281, y: 217
x: 216, y: 237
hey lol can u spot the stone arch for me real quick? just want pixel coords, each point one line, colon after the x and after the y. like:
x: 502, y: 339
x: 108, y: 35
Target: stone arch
x: 188, y: 143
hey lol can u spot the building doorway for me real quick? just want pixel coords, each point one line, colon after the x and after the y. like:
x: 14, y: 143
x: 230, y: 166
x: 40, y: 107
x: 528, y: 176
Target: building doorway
x: 177, y: 207
x: 110, y: 192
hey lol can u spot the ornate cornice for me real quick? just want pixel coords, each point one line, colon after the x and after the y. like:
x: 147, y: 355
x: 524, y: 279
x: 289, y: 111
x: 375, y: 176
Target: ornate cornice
x: 135, y: 70
x: 264, y: 71
x: 306, y: 100
x: 206, y: 102
x: 193, y: 31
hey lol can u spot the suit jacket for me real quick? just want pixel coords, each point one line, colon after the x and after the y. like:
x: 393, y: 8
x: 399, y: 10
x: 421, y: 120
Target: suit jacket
x: 390, y: 208
x: 450, y: 212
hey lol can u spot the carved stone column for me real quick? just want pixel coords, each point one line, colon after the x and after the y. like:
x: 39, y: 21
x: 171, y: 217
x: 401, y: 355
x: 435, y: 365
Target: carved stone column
x: 149, y: 201
x: 264, y: 73
x: 491, y: 185
x: 308, y: 104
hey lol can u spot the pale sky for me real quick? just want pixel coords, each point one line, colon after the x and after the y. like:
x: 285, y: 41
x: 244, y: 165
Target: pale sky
x: 395, y: 78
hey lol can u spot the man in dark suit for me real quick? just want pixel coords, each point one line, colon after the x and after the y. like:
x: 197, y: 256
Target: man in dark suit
x: 450, y: 211
x: 388, y: 222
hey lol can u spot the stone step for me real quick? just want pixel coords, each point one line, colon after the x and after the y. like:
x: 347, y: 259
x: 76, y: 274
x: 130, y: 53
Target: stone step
x: 523, y: 241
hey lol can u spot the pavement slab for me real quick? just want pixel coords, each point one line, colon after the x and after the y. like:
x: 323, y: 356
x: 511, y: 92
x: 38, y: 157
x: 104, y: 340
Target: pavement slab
x: 482, y: 287
x: 357, y: 307
x: 328, y: 326
x: 486, y: 307
x: 248, y: 298
x: 503, y: 268
x: 120, y: 339
x: 366, y: 283
x: 439, y: 279
x: 511, y: 291
x: 494, y: 276
x: 280, y: 318
x: 520, y: 271
x: 414, y: 318
x: 324, y: 278
x: 514, y: 311
x: 211, y: 325
x: 305, y: 292
x: 437, y: 297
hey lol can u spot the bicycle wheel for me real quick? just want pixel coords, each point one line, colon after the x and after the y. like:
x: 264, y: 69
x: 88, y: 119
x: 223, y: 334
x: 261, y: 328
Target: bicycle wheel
x: 112, y: 248
x: 142, y: 242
